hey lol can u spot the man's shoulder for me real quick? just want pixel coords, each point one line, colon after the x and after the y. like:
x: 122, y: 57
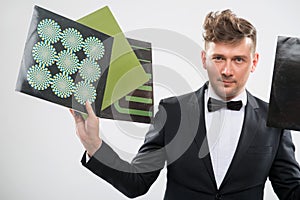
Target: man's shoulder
x: 257, y: 102
x: 188, y: 98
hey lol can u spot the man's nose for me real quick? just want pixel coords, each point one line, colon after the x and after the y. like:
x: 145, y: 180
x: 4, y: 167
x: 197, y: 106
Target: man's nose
x: 227, y: 68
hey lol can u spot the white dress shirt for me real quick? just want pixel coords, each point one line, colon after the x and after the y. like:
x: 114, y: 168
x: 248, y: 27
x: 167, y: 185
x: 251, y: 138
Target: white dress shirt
x: 223, y: 127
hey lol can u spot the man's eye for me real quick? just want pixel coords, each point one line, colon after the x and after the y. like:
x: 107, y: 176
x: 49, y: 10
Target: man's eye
x: 218, y: 58
x: 239, y: 60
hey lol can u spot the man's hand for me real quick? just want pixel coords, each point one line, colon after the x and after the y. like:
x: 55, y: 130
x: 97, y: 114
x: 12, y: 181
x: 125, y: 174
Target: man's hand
x: 88, y: 130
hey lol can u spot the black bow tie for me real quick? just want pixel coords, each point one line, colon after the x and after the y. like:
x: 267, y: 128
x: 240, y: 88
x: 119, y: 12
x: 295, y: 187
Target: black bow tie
x: 214, y: 104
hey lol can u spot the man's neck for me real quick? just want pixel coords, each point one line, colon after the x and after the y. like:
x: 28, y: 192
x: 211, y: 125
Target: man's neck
x: 242, y: 96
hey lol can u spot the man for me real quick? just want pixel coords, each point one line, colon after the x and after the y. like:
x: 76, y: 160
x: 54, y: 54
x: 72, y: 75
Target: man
x: 215, y: 141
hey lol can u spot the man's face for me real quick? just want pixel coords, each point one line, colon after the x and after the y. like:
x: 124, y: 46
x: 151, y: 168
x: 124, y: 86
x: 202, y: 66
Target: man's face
x: 228, y: 66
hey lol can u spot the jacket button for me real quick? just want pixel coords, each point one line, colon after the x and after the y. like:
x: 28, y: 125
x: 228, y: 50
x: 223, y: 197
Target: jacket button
x: 218, y: 196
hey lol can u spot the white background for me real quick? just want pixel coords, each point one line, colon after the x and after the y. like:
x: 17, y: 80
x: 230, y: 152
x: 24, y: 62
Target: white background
x: 39, y: 150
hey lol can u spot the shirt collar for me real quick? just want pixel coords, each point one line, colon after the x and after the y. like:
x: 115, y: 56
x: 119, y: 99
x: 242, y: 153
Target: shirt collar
x: 242, y: 96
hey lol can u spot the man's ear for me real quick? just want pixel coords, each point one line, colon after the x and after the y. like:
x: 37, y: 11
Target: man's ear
x: 203, y: 58
x: 254, y: 62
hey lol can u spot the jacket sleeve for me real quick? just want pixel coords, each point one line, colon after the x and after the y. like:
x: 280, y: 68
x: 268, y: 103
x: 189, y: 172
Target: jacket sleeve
x: 285, y: 171
x: 135, y: 178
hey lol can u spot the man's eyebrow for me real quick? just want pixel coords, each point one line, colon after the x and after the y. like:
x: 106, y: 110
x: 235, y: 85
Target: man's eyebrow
x: 240, y: 56
x: 217, y: 54
x: 236, y: 56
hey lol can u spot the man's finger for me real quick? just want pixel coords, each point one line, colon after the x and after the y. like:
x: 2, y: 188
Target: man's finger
x: 89, y: 109
x: 77, y: 116
x: 72, y: 112
x: 79, y: 121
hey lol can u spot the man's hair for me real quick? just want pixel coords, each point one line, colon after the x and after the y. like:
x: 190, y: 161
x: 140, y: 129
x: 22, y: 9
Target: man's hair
x: 226, y: 27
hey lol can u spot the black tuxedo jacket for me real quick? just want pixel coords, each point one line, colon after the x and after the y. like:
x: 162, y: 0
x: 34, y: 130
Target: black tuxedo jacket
x: 177, y: 138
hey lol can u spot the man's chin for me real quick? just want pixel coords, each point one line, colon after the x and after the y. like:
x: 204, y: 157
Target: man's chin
x: 226, y: 94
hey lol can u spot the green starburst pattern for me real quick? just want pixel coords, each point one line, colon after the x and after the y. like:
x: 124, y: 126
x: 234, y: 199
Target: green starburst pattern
x: 93, y: 48
x: 44, y: 53
x: 39, y: 77
x: 84, y: 91
x: 67, y: 62
x: 72, y: 39
x: 62, y: 85
x: 49, y: 30
x: 89, y: 70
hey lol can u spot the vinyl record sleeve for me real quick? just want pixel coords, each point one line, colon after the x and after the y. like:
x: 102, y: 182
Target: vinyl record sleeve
x: 284, y: 107
x: 58, y: 65
x: 125, y: 73
x: 135, y: 101
x: 137, y: 106
x: 55, y: 52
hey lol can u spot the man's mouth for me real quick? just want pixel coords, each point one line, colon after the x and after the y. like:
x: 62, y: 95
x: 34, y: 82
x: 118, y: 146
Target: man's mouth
x: 226, y: 82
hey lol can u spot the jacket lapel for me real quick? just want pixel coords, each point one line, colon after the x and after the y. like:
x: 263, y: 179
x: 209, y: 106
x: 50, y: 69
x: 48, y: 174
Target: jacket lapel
x: 251, y: 122
x: 200, y: 138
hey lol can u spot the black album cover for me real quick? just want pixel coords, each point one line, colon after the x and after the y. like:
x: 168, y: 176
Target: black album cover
x: 284, y: 108
x: 64, y: 62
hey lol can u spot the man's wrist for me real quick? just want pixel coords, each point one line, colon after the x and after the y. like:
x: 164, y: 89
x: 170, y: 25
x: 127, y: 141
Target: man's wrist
x: 91, y: 150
